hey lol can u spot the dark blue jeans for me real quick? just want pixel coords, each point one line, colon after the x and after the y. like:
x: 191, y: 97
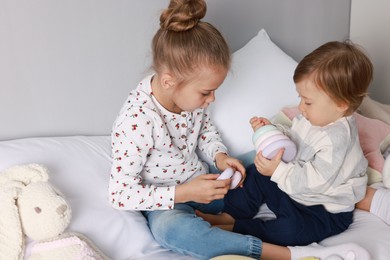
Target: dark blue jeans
x: 296, y: 224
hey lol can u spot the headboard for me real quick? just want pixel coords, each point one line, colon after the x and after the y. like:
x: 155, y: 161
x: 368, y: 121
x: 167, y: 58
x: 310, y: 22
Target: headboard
x: 66, y: 66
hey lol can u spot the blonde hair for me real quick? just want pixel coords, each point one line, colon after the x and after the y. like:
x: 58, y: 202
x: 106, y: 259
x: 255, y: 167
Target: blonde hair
x: 184, y: 43
x: 340, y: 69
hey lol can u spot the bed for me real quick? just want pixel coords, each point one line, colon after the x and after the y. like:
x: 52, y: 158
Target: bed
x: 57, y: 109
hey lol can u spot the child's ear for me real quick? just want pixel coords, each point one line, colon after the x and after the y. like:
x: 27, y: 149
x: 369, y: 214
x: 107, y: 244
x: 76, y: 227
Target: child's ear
x: 167, y: 80
x: 343, y: 107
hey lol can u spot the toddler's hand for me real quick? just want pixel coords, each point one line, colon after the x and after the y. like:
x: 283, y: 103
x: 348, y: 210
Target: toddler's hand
x: 257, y: 122
x: 265, y: 166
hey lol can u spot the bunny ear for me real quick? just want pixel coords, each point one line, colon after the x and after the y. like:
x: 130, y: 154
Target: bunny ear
x: 11, y: 236
x: 26, y: 174
x: 12, y: 182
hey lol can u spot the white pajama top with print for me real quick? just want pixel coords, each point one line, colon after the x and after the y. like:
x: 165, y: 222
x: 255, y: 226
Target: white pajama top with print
x: 153, y: 150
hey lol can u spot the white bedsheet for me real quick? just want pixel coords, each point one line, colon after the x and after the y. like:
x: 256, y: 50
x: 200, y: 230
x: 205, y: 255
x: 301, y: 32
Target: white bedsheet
x: 80, y: 168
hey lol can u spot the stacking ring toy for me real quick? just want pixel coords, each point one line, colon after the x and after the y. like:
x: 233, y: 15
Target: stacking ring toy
x: 269, y: 140
x: 260, y: 131
x: 289, y: 150
x: 264, y: 137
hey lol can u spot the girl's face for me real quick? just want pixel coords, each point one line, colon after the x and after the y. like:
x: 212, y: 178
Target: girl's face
x: 200, y: 91
x: 316, y: 106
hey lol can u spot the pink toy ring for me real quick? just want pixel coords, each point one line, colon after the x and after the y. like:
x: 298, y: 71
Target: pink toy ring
x: 226, y: 174
x: 289, y: 153
x: 261, y: 131
x: 271, y: 140
x: 236, y: 179
x: 234, y: 175
x: 265, y: 136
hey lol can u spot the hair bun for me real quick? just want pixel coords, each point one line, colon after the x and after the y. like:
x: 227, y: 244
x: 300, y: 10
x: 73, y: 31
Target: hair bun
x: 182, y: 15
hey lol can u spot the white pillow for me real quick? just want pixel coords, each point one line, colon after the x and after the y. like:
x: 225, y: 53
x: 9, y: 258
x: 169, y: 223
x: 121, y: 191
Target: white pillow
x: 260, y: 83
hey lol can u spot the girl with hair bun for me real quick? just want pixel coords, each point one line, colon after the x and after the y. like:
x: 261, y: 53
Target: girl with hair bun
x: 160, y: 128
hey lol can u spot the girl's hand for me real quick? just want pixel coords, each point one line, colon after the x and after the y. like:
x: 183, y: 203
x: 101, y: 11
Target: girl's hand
x: 202, y: 189
x: 224, y: 161
x: 257, y: 122
x: 265, y: 166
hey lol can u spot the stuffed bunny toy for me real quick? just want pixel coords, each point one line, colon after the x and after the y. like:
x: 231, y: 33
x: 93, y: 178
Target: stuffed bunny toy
x: 31, y: 206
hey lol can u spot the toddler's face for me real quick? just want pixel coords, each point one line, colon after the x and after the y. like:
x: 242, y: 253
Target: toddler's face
x: 315, y: 105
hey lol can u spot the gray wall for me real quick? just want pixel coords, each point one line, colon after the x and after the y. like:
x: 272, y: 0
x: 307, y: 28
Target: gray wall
x: 297, y: 26
x: 66, y: 66
x: 370, y: 27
